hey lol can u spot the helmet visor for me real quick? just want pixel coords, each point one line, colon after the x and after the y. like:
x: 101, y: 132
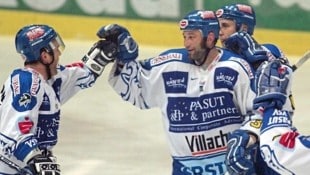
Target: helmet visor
x: 57, y: 43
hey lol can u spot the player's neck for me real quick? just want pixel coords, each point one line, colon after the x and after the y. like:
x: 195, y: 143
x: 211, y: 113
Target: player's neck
x: 38, y: 67
x: 210, y: 58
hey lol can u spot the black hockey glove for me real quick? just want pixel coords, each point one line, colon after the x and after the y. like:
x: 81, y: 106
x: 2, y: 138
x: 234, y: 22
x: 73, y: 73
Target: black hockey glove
x: 127, y: 48
x: 44, y: 165
x: 102, y: 53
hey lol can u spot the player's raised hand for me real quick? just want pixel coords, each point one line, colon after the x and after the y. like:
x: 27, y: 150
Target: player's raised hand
x: 99, y: 55
x: 272, y: 84
x: 127, y: 46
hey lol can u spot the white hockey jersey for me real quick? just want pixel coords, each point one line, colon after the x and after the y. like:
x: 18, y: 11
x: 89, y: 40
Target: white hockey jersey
x: 30, y: 110
x: 283, y: 148
x: 199, y: 107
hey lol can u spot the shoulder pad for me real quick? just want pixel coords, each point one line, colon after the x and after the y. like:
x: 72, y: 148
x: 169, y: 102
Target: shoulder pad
x: 227, y: 54
x: 25, y: 86
x: 273, y: 49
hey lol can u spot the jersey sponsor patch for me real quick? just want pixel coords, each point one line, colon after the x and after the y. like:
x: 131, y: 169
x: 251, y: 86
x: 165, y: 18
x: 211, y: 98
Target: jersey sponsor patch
x: 164, y: 58
x: 213, y: 164
x: 15, y: 84
x: 47, y: 129
x: 25, y: 82
x: 276, y: 118
x: 202, y: 144
x: 225, y: 77
x: 35, y: 85
x: 25, y: 125
x: 195, y: 114
x: 279, y: 117
x: 175, y: 82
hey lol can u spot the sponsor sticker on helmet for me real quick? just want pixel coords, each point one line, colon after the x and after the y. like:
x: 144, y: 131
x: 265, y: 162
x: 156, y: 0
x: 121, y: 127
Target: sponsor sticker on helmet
x: 35, y: 33
x: 245, y: 8
x: 207, y: 14
x: 183, y: 23
x: 219, y: 13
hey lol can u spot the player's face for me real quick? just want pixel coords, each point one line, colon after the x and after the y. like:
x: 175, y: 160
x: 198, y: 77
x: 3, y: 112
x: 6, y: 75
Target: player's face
x: 227, y: 28
x: 193, y: 42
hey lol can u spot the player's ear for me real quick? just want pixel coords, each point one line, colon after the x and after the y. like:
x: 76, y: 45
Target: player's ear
x: 244, y: 28
x: 45, y: 57
x: 211, y: 39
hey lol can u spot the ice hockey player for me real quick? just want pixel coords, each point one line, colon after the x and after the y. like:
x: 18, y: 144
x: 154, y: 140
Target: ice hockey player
x: 237, y: 22
x: 202, y: 90
x: 283, y: 148
x: 31, y: 97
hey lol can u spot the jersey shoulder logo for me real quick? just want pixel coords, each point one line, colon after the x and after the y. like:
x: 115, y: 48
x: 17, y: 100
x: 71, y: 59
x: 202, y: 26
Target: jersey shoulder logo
x: 225, y: 77
x: 175, y: 82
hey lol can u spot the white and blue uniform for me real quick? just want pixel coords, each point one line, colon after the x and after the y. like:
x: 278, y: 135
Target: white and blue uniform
x: 199, y: 107
x: 30, y: 111
x: 284, y: 149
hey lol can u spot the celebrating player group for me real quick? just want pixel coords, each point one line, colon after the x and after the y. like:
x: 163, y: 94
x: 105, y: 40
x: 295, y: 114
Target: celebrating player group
x: 225, y: 110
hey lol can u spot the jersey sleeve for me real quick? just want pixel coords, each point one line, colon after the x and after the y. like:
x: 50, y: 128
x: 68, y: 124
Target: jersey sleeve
x: 22, y: 95
x: 136, y: 84
x: 143, y: 82
x: 244, y: 95
x: 283, y: 147
x: 243, y: 89
x: 71, y: 79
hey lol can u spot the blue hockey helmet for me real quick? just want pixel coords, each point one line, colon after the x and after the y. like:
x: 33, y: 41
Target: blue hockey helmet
x: 241, y: 14
x: 31, y: 39
x: 206, y: 21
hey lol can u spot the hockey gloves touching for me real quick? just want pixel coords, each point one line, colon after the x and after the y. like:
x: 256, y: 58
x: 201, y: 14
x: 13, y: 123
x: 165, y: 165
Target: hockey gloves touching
x: 272, y: 85
x: 101, y: 53
x: 240, y: 156
x: 127, y: 48
x: 243, y: 44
